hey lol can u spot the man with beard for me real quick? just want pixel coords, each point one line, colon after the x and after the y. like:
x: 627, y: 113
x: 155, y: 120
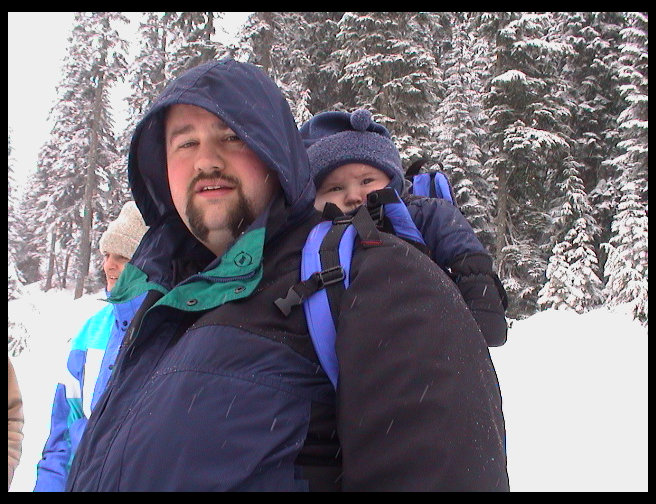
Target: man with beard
x: 218, y: 184
x: 214, y: 388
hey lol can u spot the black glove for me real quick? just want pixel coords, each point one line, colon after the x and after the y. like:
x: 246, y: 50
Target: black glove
x: 484, y: 294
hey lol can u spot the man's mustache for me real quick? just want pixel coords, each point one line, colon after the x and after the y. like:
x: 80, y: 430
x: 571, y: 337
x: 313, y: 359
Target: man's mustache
x: 216, y: 175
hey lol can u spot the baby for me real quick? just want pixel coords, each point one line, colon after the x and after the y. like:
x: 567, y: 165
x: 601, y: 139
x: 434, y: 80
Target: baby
x: 351, y: 155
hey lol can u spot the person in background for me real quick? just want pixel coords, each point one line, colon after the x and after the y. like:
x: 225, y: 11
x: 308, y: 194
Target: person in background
x: 92, y: 355
x: 351, y: 156
x: 15, y: 420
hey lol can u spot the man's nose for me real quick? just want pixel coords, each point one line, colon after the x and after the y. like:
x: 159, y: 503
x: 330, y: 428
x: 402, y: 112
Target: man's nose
x: 209, y: 158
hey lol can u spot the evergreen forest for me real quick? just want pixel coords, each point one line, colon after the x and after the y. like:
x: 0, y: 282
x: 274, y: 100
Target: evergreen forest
x: 539, y: 120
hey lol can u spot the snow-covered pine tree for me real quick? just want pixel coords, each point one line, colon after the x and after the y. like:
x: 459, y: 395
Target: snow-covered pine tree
x: 295, y: 48
x: 529, y: 131
x: 147, y: 74
x: 459, y: 128
x: 81, y: 146
x: 189, y: 40
x: 573, y: 271
x: 387, y: 61
x: 44, y: 210
x: 10, y: 176
x: 16, y: 334
x: 11, y: 194
x: 342, y: 61
x: 632, y: 163
x: 592, y: 76
x: 13, y: 285
x: 33, y: 214
x: 104, y: 60
x: 626, y: 268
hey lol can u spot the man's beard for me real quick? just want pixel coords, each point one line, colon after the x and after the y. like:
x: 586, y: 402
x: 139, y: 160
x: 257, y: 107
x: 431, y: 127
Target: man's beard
x: 241, y: 216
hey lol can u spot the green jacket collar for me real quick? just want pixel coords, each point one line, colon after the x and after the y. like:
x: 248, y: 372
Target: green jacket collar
x: 234, y: 276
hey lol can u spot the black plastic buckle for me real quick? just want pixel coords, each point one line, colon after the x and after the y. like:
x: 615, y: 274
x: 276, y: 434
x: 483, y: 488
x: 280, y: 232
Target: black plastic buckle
x: 331, y: 276
x: 287, y: 303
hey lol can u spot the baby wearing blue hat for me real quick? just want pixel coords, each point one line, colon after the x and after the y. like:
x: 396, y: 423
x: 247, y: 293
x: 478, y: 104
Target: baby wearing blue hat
x: 351, y: 155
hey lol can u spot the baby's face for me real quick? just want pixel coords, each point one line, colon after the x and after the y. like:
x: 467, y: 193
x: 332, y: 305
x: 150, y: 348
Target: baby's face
x: 348, y: 186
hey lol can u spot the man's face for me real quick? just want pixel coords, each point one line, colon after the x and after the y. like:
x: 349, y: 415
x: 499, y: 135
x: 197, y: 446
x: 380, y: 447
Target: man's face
x: 218, y: 184
x: 348, y: 186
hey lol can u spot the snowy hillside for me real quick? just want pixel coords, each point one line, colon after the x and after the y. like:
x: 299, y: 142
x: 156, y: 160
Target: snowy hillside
x: 574, y: 389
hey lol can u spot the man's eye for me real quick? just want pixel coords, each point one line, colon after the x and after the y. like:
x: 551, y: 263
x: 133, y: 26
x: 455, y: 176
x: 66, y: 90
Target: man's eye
x: 187, y: 144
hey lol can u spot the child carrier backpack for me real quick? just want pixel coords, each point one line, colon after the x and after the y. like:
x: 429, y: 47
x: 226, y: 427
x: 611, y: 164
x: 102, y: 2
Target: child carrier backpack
x: 433, y: 184
x: 326, y: 261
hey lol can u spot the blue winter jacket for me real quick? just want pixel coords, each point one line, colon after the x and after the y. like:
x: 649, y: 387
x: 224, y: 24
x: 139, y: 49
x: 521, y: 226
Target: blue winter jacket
x: 89, y: 365
x: 215, y: 389
x: 180, y: 416
x: 445, y: 230
x: 455, y: 247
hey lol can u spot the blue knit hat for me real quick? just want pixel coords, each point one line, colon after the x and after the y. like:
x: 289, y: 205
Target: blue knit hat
x: 333, y: 139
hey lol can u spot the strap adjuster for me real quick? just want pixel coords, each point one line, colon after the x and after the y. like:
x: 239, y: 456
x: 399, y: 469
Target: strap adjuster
x: 331, y: 276
x: 297, y: 293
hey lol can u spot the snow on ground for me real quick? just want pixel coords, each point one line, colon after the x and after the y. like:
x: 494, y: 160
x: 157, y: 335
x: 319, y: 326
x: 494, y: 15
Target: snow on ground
x: 574, y: 393
x: 575, y: 401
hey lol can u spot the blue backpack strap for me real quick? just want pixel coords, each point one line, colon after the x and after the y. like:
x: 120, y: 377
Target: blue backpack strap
x: 325, y: 269
x: 386, y: 207
x: 433, y: 185
x: 443, y: 187
x: 318, y: 314
x: 421, y: 184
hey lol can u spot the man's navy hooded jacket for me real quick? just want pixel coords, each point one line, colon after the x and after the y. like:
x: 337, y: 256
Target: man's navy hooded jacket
x: 214, y: 389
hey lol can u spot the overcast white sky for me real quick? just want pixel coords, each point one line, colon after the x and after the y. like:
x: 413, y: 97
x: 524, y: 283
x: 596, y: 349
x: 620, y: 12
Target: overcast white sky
x: 36, y: 47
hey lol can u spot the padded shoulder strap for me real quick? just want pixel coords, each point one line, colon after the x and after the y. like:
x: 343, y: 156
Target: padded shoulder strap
x: 443, y: 187
x: 391, y: 215
x: 385, y: 204
x: 325, y: 273
x: 433, y: 185
x: 421, y: 184
x: 318, y: 314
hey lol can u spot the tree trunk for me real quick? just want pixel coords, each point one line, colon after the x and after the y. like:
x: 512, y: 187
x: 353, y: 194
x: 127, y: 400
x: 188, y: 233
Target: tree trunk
x: 267, y: 41
x: 51, y: 262
x: 84, y: 252
x: 67, y: 262
x: 501, y: 223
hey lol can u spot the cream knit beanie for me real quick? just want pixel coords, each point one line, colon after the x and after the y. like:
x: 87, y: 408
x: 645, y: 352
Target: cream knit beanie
x: 124, y: 234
